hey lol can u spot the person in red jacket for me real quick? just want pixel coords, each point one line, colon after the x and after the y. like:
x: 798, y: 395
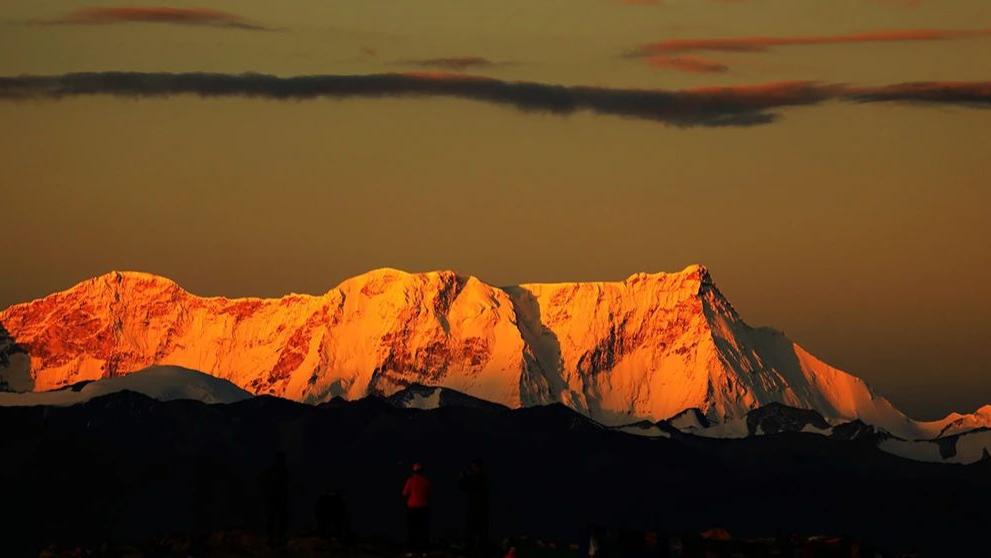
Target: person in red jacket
x: 416, y: 493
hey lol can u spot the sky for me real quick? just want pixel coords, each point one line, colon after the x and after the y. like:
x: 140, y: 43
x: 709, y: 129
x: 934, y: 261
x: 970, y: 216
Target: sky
x: 827, y: 161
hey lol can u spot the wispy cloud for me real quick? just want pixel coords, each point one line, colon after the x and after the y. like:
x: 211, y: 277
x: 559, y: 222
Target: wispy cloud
x: 661, y: 2
x: 760, y: 44
x: 456, y: 63
x: 899, y: 3
x: 889, y: 3
x: 667, y: 53
x: 108, y: 15
x: 721, y: 106
x: 692, y: 64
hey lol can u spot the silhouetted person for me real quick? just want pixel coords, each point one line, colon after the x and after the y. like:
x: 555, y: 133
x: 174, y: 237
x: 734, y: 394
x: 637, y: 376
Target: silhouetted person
x: 597, y: 542
x: 475, y: 484
x: 204, y: 482
x: 416, y: 493
x: 333, y: 520
x: 276, y: 486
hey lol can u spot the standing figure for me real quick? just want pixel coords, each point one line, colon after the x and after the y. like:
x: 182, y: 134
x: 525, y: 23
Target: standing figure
x: 333, y: 521
x: 475, y: 484
x: 205, y: 481
x: 416, y: 493
x: 276, y: 486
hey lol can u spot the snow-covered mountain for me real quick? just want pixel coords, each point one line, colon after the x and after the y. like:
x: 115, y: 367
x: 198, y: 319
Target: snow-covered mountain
x: 164, y: 383
x: 965, y: 447
x: 416, y: 396
x: 645, y: 348
x: 955, y: 423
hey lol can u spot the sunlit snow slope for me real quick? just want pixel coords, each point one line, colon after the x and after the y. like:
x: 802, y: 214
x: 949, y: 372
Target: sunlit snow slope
x: 644, y: 348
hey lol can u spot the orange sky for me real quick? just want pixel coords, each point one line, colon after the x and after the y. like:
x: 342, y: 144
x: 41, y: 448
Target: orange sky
x: 859, y: 229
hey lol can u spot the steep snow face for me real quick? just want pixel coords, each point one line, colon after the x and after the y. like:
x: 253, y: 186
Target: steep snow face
x: 655, y: 345
x: 761, y: 366
x: 618, y: 352
x: 164, y: 383
x: 644, y: 348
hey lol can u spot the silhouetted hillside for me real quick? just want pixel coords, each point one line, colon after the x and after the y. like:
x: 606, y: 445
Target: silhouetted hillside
x: 127, y: 467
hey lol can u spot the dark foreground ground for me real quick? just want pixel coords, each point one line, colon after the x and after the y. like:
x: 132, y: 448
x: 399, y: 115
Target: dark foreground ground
x: 124, y: 471
x: 711, y: 544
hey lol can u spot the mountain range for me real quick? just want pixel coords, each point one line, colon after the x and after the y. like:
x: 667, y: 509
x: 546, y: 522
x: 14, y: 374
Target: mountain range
x: 644, y: 349
x: 127, y: 469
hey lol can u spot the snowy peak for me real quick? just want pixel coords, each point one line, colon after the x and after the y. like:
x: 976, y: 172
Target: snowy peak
x: 120, y: 286
x: 689, y: 421
x: 953, y: 424
x: 417, y: 396
x: 618, y: 351
x: 691, y: 281
x: 644, y: 348
x: 164, y: 383
x: 957, y: 423
x: 446, y: 284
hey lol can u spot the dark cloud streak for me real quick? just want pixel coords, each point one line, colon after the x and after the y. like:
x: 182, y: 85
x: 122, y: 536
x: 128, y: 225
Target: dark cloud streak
x: 725, y: 106
x: 176, y: 16
x: 961, y: 93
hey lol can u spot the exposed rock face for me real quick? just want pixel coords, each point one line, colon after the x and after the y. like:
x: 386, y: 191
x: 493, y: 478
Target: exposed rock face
x: 15, y: 373
x: 857, y: 430
x: 776, y: 417
x: 644, y: 348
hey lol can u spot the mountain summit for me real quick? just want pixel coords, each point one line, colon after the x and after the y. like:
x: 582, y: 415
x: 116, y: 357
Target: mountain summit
x: 647, y: 347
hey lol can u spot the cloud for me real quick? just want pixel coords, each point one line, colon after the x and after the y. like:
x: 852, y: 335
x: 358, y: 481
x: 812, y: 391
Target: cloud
x: 457, y: 64
x: 661, y: 2
x: 962, y: 93
x: 761, y: 44
x: 720, y: 106
x: 691, y: 64
x: 887, y: 3
x: 899, y: 3
x: 670, y: 54
x: 177, y: 16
